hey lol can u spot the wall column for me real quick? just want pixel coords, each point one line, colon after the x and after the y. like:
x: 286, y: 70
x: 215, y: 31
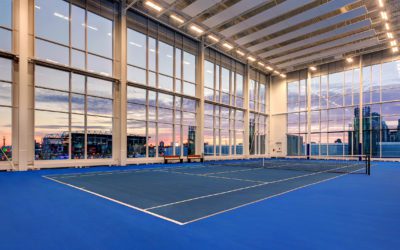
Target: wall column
x: 200, y: 105
x: 23, y: 117
x: 246, y: 77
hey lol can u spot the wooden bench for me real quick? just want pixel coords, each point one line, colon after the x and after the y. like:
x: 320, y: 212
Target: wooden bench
x: 172, y: 158
x: 195, y: 157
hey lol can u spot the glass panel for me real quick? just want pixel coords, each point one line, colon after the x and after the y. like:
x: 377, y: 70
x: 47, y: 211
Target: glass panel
x: 99, y: 33
x: 78, y: 83
x: 5, y: 69
x: 6, y: 13
x: 136, y: 95
x: 5, y: 94
x: 189, y: 67
x: 51, y: 78
x: 52, y: 21
x: 51, y: 100
x: 136, y: 48
x: 165, y: 82
x: 5, y: 133
x: 136, y: 75
x: 209, y: 74
x: 51, y: 136
x: 99, y: 65
x: 77, y: 103
x: 152, y: 54
x: 77, y: 136
x: 52, y: 52
x: 99, y: 106
x: 6, y: 39
x: 189, y: 137
x: 99, y: 137
x: 78, y: 27
x: 165, y: 59
x: 98, y: 87
x: 78, y: 59
x: 136, y: 139
x: 136, y: 111
x: 189, y: 89
x: 165, y: 145
x: 152, y: 139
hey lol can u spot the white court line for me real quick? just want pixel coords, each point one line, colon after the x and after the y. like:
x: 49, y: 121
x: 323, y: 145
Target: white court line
x: 204, y: 217
x: 209, y: 176
x: 72, y: 175
x: 236, y: 190
x: 266, y: 198
x: 117, y: 201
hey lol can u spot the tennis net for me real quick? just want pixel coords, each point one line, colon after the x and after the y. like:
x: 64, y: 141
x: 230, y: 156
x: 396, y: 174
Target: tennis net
x: 329, y: 164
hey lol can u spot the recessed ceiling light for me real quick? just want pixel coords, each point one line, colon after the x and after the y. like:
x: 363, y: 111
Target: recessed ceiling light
x: 211, y: 37
x: 228, y: 46
x: 252, y: 59
x: 389, y: 35
x: 261, y: 64
x: 313, y: 68
x: 177, y: 18
x: 269, y: 68
x: 395, y: 49
x: 349, y: 59
x: 276, y: 72
x: 393, y: 43
x: 153, y: 6
x: 384, y: 15
x: 283, y: 75
x: 387, y: 26
x: 240, y: 52
x: 380, y: 3
x: 197, y: 29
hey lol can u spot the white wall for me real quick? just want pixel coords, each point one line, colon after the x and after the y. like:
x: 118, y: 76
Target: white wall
x: 278, y: 119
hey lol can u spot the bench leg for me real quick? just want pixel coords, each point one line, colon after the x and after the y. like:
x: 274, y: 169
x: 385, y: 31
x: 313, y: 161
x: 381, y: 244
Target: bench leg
x: 181, y: 160
x: 165, y: 161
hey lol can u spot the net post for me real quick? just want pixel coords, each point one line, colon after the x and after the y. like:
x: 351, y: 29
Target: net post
x: 369, y: 164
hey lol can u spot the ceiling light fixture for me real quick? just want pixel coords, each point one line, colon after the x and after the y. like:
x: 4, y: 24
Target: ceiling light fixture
x: 349, y: 60
x: 387, y: 26
x: 380, y: 3
x: 269, y: 68
x: 240, y: 52
x: 276, y: 72
x: 211, y: 37
x: 393, y: 43
x: 252, y: 59
x: 384, y: 15
x: 395, y: 49
x: 196, y: 29
x: 153, y: 6
x: 389, y: 35
x: 313, y: 68
x: 283, y: 75
x: 177, y: 18
x: 228, y: 46
x: 261, y: 64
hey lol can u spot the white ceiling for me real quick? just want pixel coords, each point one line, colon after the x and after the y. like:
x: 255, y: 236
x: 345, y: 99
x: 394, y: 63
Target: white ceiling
x: 289, y: 34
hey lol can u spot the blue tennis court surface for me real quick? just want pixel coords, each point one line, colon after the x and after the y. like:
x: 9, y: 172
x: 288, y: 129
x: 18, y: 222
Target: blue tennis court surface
x: 187, y: 194
x: 353, y: 211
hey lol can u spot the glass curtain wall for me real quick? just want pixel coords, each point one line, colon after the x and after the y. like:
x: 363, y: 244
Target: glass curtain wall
x: 335, y: 114
x: 162, y: 90
x: 73, y: 116
x: 75, y: 35
x: 223, y: 109
x: 297, y: 115
x: 258, y: 92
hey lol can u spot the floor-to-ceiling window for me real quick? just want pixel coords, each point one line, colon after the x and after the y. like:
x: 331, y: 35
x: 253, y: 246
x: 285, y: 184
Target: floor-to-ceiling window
x: 297, y: 115
x: 73, y: 115
x: 258, y: 92
x: 73, y: 111
x: 223, y: 110
x: 161, y: 90
x: 73, y: 35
